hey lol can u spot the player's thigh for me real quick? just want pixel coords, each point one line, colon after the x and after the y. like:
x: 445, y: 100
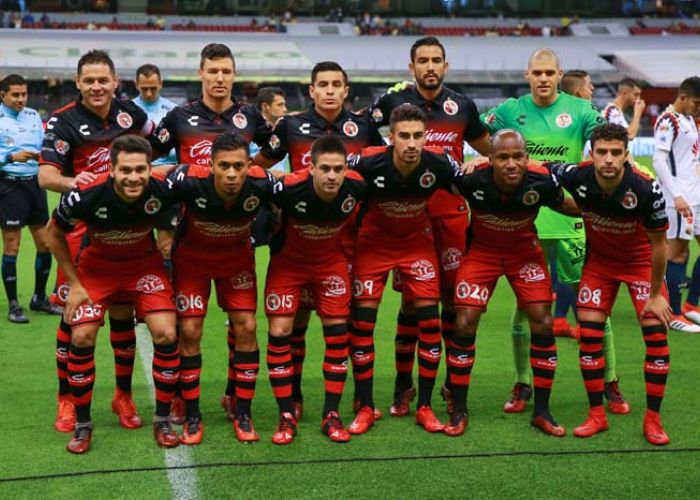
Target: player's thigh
x: 476, y: 280
x: 15, y: 204
x: 239, y: 291
x: 192, y: 289
x: 283, y: 287
x: 597, y: 290
x: 638, y: 281
x: 526, y: 270
x: 153, y: 295
x: 332, y: 291
x: 38, y: 205
x: 450, y: 236
x: 161, y: 324
x: 419, y: 272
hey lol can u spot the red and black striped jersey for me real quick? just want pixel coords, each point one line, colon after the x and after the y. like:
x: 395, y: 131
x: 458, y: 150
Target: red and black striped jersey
x: 396, y: 205
x: 191, y: 129
x: 311, y: 229
x: 294, y: 134
x: 77, y: 140
x: 503, y: 221
x: 616, y: 224
x: 211, y: 228
x: 117, y: 230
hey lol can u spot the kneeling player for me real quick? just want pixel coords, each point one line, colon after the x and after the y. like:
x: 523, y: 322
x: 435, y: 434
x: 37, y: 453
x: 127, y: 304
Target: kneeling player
x: 505, y: 196
x: 121, y: 264
x: 316, y: 203
x: 625, y: 217
x: 220, y: 204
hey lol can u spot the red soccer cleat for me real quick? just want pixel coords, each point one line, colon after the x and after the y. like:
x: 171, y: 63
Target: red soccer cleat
x: 80, y: 442
x: 427, y: 419
x: 562, y: 328
x: 595, y: 423
x: 123, y: 406
x: 177, y: 411
x: 357, y: 405
x: 616, y: 402
x: 243, y: 427
x: 546, y: 424
x: 448, y: 398
x: 332, y: 427
x: 228, y: 403
x: 519, y: 397
x: 400, y: 406
x: 192, y: 431
x: 298, y: 408
x: 458, y: 424
x: 165, y: 435
x: 286, y: 429
x: 363, y: 421
x: 654, y: 429
x: 65, y: 416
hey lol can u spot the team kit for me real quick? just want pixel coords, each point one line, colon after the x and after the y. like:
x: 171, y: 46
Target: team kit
x: 353, y: 209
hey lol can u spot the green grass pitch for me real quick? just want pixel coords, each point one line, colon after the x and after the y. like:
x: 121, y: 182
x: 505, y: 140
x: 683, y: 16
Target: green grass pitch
x: 500, y: 456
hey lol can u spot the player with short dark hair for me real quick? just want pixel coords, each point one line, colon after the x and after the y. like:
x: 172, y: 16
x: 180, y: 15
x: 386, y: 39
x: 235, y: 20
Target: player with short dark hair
x: 220, y: 203
x: 74, y: 151
x: 316, y: 203
x: 22, y: 201
x: 120, y: 264
x: 626, y: 222
x: 577, y: 82
x: 629, y: 95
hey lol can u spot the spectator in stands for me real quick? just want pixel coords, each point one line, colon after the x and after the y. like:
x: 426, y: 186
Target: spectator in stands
x: 160, y: 22
x: 45, y: 20
x: 191, y: 24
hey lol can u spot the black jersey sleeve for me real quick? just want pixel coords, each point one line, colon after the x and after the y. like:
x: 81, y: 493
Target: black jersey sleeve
x: 277, y: 145
x: 69, y: 210
x: 164, y: 137
x: 473, y: 128
x: 380, y: 110
x: 263, y: 130
x: 654, y: 217
x: 56, y: 146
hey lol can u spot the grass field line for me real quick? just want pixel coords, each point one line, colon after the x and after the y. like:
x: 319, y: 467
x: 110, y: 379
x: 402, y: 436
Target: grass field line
x: 324, y: 461
x: 180, y: 467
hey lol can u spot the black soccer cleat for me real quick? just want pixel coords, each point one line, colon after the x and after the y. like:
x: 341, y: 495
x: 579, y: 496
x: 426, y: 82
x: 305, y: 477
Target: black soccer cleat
x: 43, y: 304
x: 16, y: 314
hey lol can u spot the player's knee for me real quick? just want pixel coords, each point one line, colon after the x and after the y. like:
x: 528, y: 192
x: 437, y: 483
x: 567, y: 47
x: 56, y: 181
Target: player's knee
x: 465, y: 326
x: 11, y: 243
x: 164, y: 335
x: 83, y: 337
x: 246, y: 341
x: 542, y: 325
x: 190, y: 338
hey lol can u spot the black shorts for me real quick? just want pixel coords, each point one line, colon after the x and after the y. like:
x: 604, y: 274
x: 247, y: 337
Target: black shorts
x: 22, y: 203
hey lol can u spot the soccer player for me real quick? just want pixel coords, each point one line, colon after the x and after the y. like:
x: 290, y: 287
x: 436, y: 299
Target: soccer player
x: 22, y: 201
x: 120, y: 264
x: 629, y: 95
x: 190, y: 129
x: 396, y: 234
x: 452, y: 119
x: 294, y: 135
x: 220, y: 202
x: 74, y: 151
x: 505, y: 195
x: 316, y: 203
x: 556, y: 127
x: 626, y: 224
x: 677, y: 162
x: 578, y: 83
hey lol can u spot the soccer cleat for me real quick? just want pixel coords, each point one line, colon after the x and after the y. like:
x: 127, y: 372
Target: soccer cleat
x: 228, y: 403
x: 165, y: 435
x: 286, y: 429
x: 123, y: 406
x: 16, y: 314
x: 243, y: 427
x: 458, y: 424
x: 595, y: 423
x: 65, y: 416
x: 616, y: 402
x: 357, y: 405
x: 447, y: 396
x: 363, y: 421
x: 192, y: 431
x: 518, y: 398
x: 680, y: 324
x: 546, y: 424
x: 38, y: 304
x: 177, y: 411
x: 80, y: 442
x: 562, y: 328
x: 332, y: 427
x: 691, y: 312
x: 654, y: 430
x: 400, y: 406
x: 298, y: 408
x: 427, y: 419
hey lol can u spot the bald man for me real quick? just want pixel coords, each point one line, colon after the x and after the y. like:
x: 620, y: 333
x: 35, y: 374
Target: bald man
x: 505, y: 196
x: 556, y: 127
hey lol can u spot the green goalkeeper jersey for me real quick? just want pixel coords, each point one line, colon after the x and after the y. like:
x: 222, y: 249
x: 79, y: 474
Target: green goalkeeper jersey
x: 555, y: 133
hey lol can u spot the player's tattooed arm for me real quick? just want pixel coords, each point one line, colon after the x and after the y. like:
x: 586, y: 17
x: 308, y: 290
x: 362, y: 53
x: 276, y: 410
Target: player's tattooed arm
x: 657, y: 304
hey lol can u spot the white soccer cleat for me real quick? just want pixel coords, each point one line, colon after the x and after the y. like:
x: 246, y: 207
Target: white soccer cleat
x: 692, y: 313
x: 680, y: 324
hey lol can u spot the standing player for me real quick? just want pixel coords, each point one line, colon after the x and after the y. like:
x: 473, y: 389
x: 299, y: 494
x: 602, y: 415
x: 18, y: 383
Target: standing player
x: 22, y: 201
x: 220, y: 202
x: 556, y: 127
x: 120, y: 264
x: 625, y: 218
x: 316, y: 203
x: 578, y: 83
x: 677, y: 164
x: 294, y: 135
x: 190, y: 129
x: 452, y: 120
x: 505, y: 196
x: 629, y: 95
x: 74, y: 151
x: 396, y: 234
